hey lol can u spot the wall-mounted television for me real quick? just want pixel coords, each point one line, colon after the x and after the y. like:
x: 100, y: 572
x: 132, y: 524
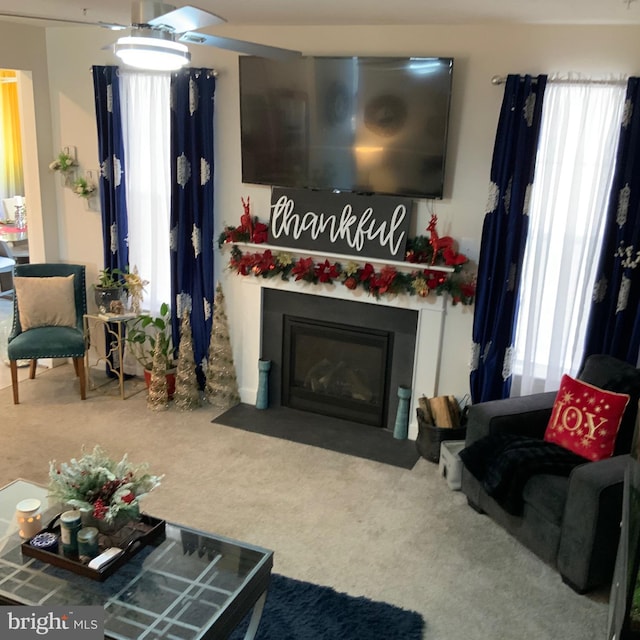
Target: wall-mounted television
x: 361, y: 124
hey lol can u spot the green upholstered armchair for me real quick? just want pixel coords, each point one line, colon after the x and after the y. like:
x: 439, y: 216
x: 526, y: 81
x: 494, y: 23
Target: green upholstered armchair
x: 49, y: 303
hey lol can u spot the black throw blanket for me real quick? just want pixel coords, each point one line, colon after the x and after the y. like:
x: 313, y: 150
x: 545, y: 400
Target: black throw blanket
x: 504, y: 462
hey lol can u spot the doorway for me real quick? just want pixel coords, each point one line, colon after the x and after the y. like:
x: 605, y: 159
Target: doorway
x: 13, y: 209
x: 11, y: 171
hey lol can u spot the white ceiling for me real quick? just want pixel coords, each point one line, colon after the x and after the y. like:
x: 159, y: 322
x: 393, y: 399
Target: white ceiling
x: 362, y: 12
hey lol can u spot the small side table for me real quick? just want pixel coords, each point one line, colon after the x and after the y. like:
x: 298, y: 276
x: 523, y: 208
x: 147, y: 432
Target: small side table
x: 113, y: 358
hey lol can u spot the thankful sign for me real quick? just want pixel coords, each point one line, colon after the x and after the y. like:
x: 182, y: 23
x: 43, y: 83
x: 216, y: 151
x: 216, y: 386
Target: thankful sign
x: 347, y: 223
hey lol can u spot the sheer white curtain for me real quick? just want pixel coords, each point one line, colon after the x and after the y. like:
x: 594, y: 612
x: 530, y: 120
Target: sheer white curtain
x: 146, y: 132
x: 574, y: 168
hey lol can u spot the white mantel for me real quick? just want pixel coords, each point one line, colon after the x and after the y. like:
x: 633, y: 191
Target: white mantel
x: 247, y: 336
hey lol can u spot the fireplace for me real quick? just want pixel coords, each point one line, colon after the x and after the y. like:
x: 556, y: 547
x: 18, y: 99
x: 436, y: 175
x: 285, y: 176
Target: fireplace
x: 336, y: 369
x: 337, y: 357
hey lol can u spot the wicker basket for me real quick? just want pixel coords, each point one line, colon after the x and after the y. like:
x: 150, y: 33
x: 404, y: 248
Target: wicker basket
x: 431, y: 437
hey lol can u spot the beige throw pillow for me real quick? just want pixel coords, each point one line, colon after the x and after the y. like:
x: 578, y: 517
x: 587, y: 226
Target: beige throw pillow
x: 45, y: 302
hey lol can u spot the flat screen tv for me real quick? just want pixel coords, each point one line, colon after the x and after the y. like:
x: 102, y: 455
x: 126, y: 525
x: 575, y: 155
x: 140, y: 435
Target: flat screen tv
x: 361, y: 124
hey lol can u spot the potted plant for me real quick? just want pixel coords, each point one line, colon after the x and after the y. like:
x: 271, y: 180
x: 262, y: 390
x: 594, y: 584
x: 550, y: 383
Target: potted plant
x: 110, y: 288
x: 105, y: 490
x: 144, y: 334
x: 84, y: 188
x: 64, y: 162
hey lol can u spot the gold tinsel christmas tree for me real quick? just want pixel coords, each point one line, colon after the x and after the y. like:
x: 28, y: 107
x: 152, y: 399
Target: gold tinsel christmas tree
x: 221, y: 389
x: 187, y: 393
x: 158, y: 397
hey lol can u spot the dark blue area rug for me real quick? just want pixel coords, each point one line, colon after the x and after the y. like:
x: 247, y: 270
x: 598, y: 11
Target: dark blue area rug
x: 297, y: 610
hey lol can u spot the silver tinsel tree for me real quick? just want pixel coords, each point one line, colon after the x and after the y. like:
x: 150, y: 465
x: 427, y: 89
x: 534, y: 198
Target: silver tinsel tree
x: 187, y: 394
x: 158, y: 397
x: 221, y: 389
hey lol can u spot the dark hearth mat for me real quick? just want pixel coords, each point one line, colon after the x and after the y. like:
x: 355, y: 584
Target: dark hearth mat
x: 316, y: 430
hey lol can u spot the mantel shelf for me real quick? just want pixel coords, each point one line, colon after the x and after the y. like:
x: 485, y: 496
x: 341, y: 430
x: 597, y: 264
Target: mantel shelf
x: 399, y: 265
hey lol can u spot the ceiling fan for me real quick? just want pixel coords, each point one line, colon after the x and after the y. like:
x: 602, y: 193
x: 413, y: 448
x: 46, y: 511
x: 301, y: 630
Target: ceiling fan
x: 159, y: 31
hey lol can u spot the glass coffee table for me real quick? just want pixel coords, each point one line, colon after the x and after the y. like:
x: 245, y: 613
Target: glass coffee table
x: 193, y: 585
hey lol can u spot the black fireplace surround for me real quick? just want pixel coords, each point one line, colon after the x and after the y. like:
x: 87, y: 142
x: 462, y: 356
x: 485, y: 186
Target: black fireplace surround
x: 392, y: 328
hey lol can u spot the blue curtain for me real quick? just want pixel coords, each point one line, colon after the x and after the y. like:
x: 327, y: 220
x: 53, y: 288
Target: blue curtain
x: 113, y: 203
x: 614, y: 320
x: 504, y: 235
x: 192, y: 234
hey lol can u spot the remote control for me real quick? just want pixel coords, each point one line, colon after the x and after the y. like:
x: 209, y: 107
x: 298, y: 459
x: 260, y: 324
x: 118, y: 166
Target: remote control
x: 105, y: 557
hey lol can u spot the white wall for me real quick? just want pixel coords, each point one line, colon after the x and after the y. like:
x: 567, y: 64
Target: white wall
x: 479, y: 51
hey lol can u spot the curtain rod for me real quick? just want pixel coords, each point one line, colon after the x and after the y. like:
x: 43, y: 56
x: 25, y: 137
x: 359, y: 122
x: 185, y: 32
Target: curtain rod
x: 502, y: 79
x: 213, y: 72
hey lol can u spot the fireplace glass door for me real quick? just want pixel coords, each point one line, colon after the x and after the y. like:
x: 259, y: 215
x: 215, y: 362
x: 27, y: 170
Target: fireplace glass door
x: 336, y: 370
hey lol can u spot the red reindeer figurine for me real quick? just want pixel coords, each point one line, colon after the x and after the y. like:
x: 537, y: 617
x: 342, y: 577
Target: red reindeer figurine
x: 246, y: 223
x: 437, y: 243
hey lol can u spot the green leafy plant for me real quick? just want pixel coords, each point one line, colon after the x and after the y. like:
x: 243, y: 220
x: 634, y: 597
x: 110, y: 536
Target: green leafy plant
x: 63, y: 163
x: 147, y: 331
x: 111, y: 279
x: 83, y: 187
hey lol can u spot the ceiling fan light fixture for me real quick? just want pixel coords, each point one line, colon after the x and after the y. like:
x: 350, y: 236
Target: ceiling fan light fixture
x: 152, y: 54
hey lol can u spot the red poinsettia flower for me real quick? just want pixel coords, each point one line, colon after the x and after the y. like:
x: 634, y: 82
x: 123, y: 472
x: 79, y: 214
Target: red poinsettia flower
x: 260, y: 233
x: 453, y: 259
x: 246, y: 264
x: 381, y: 283
x: 387, y: 277
x: 434, y: 278
x: 263, y: 263
x: 326, y: 272
x: 366, y: 272
x: 302, y: 268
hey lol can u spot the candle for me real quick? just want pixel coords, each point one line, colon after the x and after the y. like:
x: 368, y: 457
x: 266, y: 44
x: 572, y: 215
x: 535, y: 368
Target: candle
x: 29, y: 517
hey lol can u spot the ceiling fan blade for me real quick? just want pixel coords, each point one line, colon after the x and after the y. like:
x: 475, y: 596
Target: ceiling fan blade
x: 186, y: 18
x: 241, y: 46
x: 27, y: 16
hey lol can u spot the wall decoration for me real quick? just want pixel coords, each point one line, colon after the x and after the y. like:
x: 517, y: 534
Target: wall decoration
x: 347, y: 223
x: 66, y: 164
x: 83, y: 187
x: 434, y: 250
x: 65, y: 161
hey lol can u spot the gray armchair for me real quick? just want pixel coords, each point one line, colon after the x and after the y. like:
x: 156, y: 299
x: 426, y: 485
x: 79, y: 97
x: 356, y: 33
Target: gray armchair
x: 49, y: 304
x: 571, y: 522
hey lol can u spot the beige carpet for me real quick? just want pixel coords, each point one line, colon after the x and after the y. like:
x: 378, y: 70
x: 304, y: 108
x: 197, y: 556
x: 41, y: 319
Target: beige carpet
x: 359, y: 526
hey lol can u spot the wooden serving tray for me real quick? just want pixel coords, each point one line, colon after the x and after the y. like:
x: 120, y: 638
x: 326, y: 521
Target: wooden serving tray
x: 131, y: 538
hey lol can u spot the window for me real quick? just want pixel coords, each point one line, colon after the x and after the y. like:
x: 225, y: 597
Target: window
x: 146, y: 133
x: 574, y: 169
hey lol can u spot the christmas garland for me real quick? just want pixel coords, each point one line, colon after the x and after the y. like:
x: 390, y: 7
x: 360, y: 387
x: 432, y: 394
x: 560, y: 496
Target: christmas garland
x: 433, y: 250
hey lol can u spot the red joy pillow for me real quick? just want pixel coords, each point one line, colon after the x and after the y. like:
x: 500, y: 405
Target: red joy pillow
x: 586, y: 419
